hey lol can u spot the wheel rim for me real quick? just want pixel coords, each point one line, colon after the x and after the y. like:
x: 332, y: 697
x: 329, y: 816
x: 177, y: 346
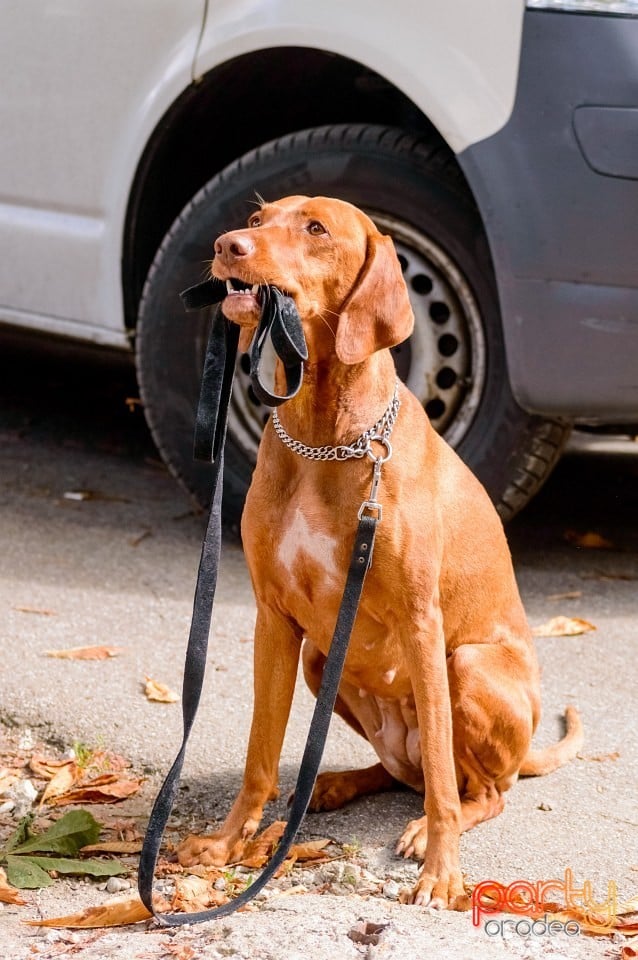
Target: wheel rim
x: 443, y: 363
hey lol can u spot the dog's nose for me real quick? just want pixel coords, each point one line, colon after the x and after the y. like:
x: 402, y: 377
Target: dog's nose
x: 233, y: 246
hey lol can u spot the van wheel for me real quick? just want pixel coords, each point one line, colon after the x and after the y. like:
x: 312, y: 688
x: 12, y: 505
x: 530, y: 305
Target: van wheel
x: 454, y: 361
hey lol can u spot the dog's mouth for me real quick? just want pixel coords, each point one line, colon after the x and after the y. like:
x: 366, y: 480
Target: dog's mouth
x: 240, y: 288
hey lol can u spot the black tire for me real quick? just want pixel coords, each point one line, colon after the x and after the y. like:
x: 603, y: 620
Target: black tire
x: 414, y: 189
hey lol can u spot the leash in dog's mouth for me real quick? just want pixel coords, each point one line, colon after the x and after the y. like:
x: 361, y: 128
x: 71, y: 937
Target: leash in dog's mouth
x: 279, y: 320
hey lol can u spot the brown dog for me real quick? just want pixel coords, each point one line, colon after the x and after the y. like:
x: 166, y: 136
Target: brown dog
x: 441, y: 675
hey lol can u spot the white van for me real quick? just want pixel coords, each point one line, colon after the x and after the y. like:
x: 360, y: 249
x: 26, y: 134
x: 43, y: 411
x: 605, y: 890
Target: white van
x: 496, y: 142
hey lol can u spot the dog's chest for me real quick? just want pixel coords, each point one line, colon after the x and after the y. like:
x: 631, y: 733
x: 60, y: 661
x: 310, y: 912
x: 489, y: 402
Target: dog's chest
x: 305, y: 547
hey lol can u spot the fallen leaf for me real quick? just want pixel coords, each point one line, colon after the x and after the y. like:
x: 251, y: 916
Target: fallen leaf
x: 45, y: 767
x: 9, y: 894
x: 563, y: 627
x: 159, y: 692
x: 41, y: 613
x: 93, y: 495
x: 303, y: 852
x: 28, y: 856
x: 25, y: 874
x: 33, y: 872
x: 600, y: 757
x: 193, y: 894
x: 66, y: 836
x: 64, y: 778
x: 7, y: 780
x: 107, y: 788
x: 137, y: 539
x: 295, y: 891
x: 568, y: 595
x: 181, y: 951
x: 104, y: 761
x: 312, y: 850
x: 168, y: 868
x: 259, y: 850
x: 589, y: 540
x: 628, y: 953
x: 116, y: 913
x: 114, y: 846
x: 609, y: 575
x: 85, y: 653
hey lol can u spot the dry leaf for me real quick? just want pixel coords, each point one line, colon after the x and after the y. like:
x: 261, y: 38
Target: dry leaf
x: 41, y: 613
x: 159, y: 692
x: 600, y: 757
x: 98, y: 780
x: 116, y: 913
x: 628, y: 953
x: 193, y: 894
x: 137, y: 539
x: 312, y: 850
x: 62, y: 781
x: 181, y: 951
x: 107, y: 788
x: 568, y: 595
x: 46, y: 768
x: 114, y: 846
x: 9, y: 894
x: 259, y: 850
x: 589, y: 540
x: 609, y: 575
x: 563, y: 627
x: 105, y: 761
x: 85, y: 653
x: 168, y: 868
x: 93, y: 495
x: 7, y: 780
x: 302, y: 852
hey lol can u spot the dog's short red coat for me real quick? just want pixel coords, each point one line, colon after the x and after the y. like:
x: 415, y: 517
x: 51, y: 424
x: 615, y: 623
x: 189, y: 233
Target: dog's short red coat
x: 441, y: 676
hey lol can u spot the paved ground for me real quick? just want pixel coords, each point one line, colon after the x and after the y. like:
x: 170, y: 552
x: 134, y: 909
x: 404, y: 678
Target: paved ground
x: 119, y: 569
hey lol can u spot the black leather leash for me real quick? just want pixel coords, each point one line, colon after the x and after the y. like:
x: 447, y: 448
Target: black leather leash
x: 281, y: 322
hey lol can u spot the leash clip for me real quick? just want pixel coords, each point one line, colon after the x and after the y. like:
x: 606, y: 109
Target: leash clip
x: 372, y: 504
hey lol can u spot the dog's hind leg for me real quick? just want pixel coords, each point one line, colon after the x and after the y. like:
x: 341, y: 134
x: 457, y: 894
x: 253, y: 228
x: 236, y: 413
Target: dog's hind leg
x: 495, y: 706
x: 335, y: 789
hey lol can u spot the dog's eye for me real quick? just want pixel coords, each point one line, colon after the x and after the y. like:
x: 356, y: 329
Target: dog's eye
x: 255, y: 221
x: 316, y: 229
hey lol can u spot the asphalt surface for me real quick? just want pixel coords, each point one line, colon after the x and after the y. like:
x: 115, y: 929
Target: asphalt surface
x: 118, y: 568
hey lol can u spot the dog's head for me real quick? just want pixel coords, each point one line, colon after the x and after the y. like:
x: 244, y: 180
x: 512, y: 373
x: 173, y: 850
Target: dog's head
x: 343, y: 275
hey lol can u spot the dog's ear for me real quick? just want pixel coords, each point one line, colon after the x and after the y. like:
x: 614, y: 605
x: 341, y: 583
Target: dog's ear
x: 377, y: 313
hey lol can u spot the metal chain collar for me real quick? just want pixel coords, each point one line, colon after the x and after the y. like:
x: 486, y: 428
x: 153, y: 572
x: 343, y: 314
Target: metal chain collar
x: 358, y: 448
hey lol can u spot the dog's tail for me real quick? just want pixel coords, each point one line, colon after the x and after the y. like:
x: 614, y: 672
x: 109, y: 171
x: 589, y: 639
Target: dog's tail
x: 539, y: 762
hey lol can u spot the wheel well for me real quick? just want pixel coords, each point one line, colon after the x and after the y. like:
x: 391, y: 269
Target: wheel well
x: 237, y: 106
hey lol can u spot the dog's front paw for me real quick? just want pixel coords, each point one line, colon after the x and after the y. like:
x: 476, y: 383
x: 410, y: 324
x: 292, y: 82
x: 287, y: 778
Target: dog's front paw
x: 214, y: 851
x: 414, y: 839
x: 440, y: 883
x: 439, y: 889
